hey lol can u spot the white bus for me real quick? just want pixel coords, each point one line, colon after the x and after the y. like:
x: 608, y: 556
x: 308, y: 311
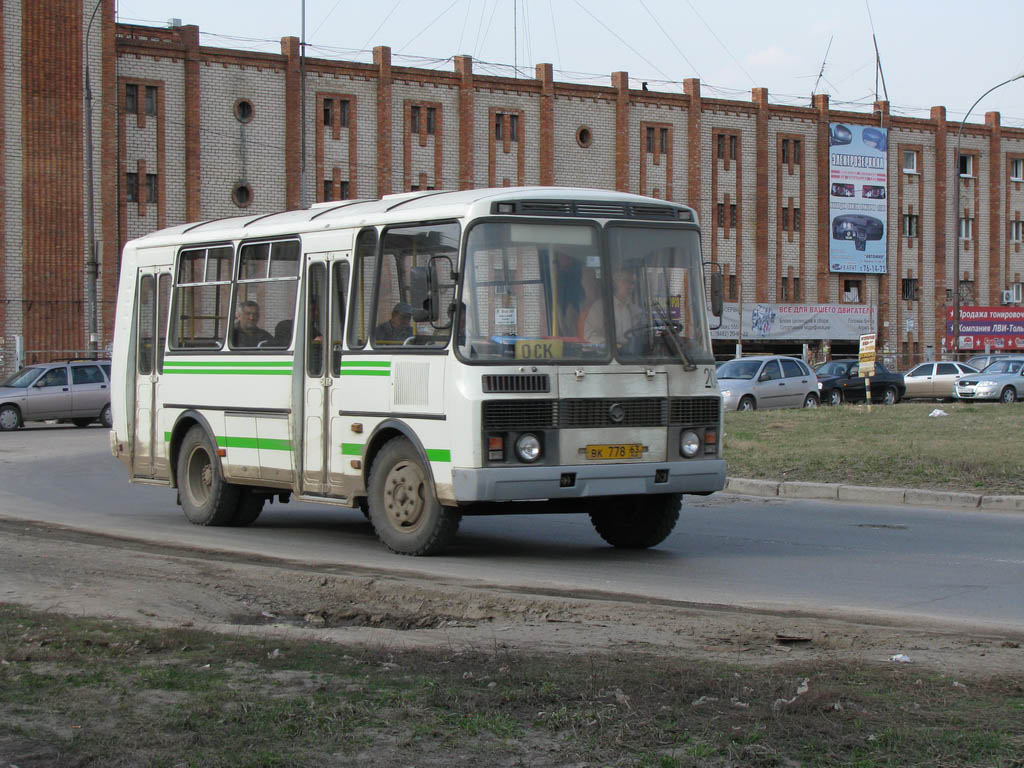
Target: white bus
x: 425, y: 356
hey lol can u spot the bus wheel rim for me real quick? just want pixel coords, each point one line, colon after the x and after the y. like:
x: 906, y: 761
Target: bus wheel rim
x: 200, y: 476
x: 403, y: 496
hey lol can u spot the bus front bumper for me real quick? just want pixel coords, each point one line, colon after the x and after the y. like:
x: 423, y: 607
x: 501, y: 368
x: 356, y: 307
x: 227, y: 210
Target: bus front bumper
x: 571, y: 482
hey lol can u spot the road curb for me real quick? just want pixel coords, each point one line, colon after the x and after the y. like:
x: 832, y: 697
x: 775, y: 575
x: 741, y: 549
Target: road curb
x: 867, y: 494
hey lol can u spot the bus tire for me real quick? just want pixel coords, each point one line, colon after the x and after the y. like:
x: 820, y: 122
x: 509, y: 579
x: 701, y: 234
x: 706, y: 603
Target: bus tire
x: 404, y: 512
x: 250, y: 505
x: 206, y: 497
x: 636, y: 522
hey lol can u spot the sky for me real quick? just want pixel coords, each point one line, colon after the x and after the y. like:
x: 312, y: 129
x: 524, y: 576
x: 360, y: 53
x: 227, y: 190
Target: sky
x: 936, y: 53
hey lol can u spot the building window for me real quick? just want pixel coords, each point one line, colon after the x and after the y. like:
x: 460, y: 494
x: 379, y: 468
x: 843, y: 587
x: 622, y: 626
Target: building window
x: 499, y: 126
x: 852, y: 291
x: 1017, y: 231
x: 720, y: 146
x: 650, y: 141
x: 131, y: 99
x: 967, y: 166
x: 150, y: 99
x: 910, y: 289
x: 791, y: 151
x: 787, y: 214
x: 328, y: 113
x: 584, y: 137
x: 784, y: 290
x: 733, y: 141
x: 513, y: 127
x: 343, y: 113
x: 910, y: 222
x: 966, y: 228
x: 344, y: 191
x: 796, y: 288
x: 663, y: 140
x: 732, y: 216
x: 732, y: 287
x: 151, y: 188
x: 1017, y: 170
x: 243, y: 110
x: 909, y: 161
x: 131, y: 187
x: 721, y: 214
x: 430, y: 119
x: 796, y: 219
x: 414, y: 119
x: 785, y: 219
x: 328, y: 190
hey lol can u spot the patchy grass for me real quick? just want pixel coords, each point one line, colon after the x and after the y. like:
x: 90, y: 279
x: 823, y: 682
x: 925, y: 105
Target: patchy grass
x: 976, y: 447
x: 77, y: 692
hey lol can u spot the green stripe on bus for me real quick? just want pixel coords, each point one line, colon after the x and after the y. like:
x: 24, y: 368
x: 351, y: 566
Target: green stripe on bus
x: 439, y: 454
x: 351, y: 449
x: 230, y: 372
x: 366, y: 364
x: 227, y: 364
x: 365, y: 373
x: 262, y: 443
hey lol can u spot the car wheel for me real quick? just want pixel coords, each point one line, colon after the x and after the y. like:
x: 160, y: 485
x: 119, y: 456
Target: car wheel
x: 81, y: 422
x: 636, y: 522
x: 206, y: 497
x: 835, y: 397
x: 106, y: 419
x: 811, y: 401
x: 747, y: 403
x: 407, y: 517
x: 890, y: 396
x: 10, y: 418
x: 1008, y: 395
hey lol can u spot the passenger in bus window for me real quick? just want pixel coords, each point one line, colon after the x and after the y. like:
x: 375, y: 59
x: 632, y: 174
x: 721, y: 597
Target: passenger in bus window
x: 628, y: 314
x: 247, y: 331
x: 399, y: 327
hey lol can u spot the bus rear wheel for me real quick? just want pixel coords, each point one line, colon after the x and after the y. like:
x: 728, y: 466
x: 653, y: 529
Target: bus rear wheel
x: 205, y: 497
x: 406, y: 516
x: 636, y: 522
x: 250, y: 505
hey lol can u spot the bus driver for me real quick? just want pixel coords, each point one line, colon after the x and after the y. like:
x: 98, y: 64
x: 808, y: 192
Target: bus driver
x: 247, y: 331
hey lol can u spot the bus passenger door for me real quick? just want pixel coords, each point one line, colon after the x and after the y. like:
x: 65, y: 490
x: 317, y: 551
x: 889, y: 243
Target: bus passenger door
x: 327, y: 277
x: 154, y: 288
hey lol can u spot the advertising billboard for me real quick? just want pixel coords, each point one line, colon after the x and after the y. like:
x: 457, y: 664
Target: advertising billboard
x: 798, y: 322
x: 1001, y: 329
x: 858, y: 188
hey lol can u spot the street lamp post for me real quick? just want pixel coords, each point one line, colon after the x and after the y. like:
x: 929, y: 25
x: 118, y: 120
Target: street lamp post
x: 957, y: 212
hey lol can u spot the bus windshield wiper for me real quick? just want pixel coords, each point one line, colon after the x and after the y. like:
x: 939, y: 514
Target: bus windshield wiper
x: 668, y: 329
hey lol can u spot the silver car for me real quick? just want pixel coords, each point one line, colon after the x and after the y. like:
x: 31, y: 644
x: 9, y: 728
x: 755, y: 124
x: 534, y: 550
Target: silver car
x: 1001, y: 380
x: 934, y: 379
x: 77, y: 391
x: 771, y: 381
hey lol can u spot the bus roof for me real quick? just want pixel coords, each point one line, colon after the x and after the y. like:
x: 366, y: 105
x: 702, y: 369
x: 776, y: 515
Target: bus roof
x: 420, y: 206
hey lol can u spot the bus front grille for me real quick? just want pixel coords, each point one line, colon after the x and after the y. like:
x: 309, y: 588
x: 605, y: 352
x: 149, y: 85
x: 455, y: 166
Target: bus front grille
x: 694, y: 410
x: 520, y: 414
x: 613, y: 412
x: 600, y: 412
x: 513, y: 382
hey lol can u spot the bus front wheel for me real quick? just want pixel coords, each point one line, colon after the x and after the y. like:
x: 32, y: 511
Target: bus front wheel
x: 205, y: 497
x: 636, y: 522
x: 406, y: 516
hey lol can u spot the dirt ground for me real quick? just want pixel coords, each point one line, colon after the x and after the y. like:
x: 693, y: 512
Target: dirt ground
x: 54, y: 569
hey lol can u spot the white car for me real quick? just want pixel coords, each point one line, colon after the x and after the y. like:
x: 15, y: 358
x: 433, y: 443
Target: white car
x: 772, y: 381
x: 1001, y: 380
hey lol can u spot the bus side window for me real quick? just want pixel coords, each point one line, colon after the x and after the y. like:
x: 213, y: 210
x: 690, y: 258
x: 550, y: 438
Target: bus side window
x: 202, y: 296
x: 338, y: 300
x: 144, y: 336
x: 268, y: 274
x: 365, y: 263
x: 316, y: 299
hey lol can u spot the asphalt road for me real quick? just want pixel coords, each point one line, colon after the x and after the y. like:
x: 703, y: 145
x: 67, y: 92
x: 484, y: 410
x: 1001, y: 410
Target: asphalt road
x: 826, y: 558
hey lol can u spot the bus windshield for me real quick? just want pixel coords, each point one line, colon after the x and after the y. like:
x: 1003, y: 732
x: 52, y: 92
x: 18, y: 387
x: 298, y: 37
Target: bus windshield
x: 543, y: 292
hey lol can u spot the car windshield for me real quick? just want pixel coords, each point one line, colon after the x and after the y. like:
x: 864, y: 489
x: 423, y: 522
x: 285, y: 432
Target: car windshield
x: 739, y: 369
x: 23, y: 378
x: 1004, y: 366
x: 831, y: 369
x: 548, y: 292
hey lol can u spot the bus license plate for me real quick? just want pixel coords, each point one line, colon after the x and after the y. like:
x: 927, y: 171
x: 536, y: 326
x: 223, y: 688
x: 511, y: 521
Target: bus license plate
x: 616, y: 451
x: 538, y: 349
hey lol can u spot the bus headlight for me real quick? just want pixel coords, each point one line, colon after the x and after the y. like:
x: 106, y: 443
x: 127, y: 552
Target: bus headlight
x: 528, y: 448
x: 689, y: 443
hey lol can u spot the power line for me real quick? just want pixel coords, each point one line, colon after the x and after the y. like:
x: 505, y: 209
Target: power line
x: 619, y: 38
x: 436, y: 19
x: 393, y: 9
x: 669, y: 38
x: 554, y: 32
x: 697, y: 14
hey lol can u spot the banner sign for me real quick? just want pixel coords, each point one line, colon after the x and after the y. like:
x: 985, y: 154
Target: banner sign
x: 858, y: 188
x: 866, y: 354
x: 805, y: 322
x: 1000, y: 328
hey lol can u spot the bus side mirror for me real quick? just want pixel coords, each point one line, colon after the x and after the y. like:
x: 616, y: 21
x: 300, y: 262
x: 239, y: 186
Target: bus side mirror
x: 717, y: 292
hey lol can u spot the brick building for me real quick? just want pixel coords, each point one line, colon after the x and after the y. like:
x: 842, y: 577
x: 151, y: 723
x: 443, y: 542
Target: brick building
x: 185, y: 132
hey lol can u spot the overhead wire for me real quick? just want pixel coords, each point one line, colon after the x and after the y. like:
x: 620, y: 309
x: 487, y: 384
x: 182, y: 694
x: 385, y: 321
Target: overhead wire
x: 664, y: 31
x: 724, y: 47
x: 489, y: 22
x: 382, y: 23
x: 465, y: 18
x: 554, y: 33
x: 326, y: 18
x: 432, y: 23
x: 618, y: 37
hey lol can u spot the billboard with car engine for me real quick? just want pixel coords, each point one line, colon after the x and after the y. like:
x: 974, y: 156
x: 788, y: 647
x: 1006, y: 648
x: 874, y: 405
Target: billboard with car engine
x: 857, y: 198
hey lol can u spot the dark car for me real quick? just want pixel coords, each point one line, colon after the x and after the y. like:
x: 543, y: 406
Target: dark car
x: 856, y: 227
x: 843, y: 190
x: 76, y: 391
x: 840, y: 381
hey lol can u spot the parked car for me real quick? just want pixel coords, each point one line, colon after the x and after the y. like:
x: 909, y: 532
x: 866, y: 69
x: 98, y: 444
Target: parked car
x: 76, y: 391
x: 1001, y: 380
x: 934, y: 379
x: 981, y: 362
x: 770, y: 381
x: 840, y: 381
